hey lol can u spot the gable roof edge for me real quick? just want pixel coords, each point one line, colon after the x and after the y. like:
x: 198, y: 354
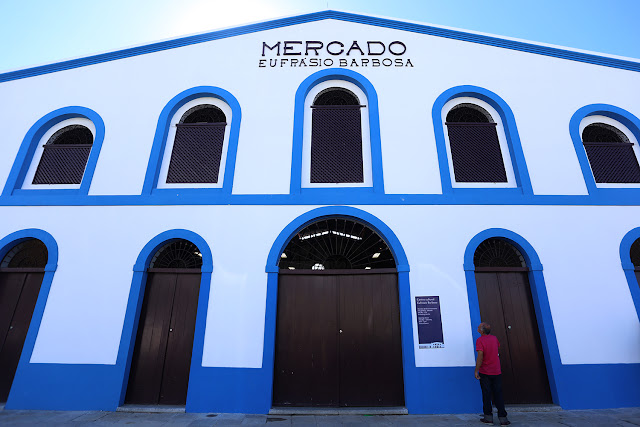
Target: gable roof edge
x: 318, y: 16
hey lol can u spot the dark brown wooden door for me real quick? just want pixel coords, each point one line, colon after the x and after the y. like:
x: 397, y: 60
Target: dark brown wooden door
x: 162, y: 355
x: 338, y: 341
x: 19, y: 290
x: 506, y: 303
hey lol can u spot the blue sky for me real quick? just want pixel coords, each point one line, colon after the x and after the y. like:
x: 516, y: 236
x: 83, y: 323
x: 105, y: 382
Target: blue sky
x: 34, y: 32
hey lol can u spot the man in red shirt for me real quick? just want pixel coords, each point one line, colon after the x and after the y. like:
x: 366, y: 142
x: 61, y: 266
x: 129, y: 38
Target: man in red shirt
x: 490, y: 376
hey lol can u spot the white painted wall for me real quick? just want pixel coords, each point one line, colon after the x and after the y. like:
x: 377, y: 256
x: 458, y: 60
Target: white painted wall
x: 129, y: 94
x: 578, y: 246
x: 83, y: 318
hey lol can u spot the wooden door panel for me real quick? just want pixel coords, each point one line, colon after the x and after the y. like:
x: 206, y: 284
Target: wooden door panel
x: 306, y: 361
x: 24, y: 302
x: 175, y: 377
x: 10, y: 289
x: 527, y: 358
x: 491, y: 312
x: 147, y: 363
x: 370, y: 353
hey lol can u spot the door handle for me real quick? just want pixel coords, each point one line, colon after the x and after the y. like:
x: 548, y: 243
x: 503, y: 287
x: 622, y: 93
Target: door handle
x: 340, y: 330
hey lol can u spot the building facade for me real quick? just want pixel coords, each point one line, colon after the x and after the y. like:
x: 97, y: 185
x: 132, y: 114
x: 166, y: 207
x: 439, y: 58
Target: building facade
x: 318, y: 211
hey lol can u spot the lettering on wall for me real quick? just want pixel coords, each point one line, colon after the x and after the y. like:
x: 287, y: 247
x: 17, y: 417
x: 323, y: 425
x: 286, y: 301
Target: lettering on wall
x: 320, y: 54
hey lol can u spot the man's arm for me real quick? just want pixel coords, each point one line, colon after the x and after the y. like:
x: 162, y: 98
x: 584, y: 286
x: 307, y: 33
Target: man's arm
x: 479, y: 363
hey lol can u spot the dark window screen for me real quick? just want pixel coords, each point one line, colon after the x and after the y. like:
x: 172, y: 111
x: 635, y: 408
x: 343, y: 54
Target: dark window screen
x: 196, y: 154
x: 610, y: 154
x: 65, y: 156
x: 336, y: 138
x: 197, y: 148
x: 475, y: 152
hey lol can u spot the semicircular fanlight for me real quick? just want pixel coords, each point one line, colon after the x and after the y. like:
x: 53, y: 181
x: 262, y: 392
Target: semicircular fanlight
x: 336, y: 243
x: 601, y: 132
x: 468, y: 113
x: 203, y: 113
x: 635, y: 253
x: 496, y: 252
x: 31, y: 253
x: 177, y: 254
x: 336, y: 96
x: 71, y: 135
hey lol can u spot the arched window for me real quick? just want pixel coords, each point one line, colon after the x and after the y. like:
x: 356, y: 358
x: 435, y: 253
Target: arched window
x: 337, y: 147
x: 177, y: 254
x: 336, y: 243
x: 477, y: 148
x: 611, y: 153
x: 61, y: 156
x: 31, y: 253
x: 498, y: 253
x: 197, y: 145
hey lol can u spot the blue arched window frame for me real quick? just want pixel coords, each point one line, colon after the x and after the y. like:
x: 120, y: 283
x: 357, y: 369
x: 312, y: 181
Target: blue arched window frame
x: 629, y: 268
x: 30, y: 143
x: 624, y: 117
x: 162, y: 131
x: 516, y: 155
x: 374, y: 131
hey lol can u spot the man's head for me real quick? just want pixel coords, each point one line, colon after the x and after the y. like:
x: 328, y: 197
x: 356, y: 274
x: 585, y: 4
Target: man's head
x: 484, y: 328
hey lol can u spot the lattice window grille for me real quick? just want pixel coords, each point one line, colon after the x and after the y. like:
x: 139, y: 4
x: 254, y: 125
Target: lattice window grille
x: 497, y: 252
x: 611, y: 155
x: 64, y: 156
x: 634, y: 253
x: 31, y: 253
x: 336, y: 138
x: 336, y: 243
x: 177, y: 254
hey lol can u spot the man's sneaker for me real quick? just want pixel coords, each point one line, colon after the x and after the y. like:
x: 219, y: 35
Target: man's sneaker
x: 487, y: 419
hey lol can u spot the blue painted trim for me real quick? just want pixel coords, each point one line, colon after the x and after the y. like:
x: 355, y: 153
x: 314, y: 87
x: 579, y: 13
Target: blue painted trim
x: 413, y: 388
x: 480, y: 197
x: 318, y: 16
x: 23, y: 375
x: 540, y: 303
x: 134, y: 305
x: 629, y: 268
x: 615, y: 113
x: 600, y: 386
x: 160, y: 141
x: 374, y: 132
x: 516, y: 154
x: 66, y: 387
x: 30, y: 143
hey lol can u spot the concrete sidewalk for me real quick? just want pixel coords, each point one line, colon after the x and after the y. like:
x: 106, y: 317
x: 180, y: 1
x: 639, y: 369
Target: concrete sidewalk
x: 605, y: 417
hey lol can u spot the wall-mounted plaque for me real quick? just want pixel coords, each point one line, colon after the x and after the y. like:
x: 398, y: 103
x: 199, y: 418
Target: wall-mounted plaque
x: 429, y: 322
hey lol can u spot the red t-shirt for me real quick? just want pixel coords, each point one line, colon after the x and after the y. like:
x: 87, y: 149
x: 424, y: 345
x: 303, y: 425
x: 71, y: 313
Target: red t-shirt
x: 489, y: 345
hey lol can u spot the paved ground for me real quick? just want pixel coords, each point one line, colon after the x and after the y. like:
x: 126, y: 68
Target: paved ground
x: 607, y: 417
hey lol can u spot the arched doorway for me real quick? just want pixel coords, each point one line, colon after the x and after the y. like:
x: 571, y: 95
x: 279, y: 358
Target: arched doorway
x: 162, y: 354
x: 505, y: 300
x: 21, y: 274
x: 338, y: 337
